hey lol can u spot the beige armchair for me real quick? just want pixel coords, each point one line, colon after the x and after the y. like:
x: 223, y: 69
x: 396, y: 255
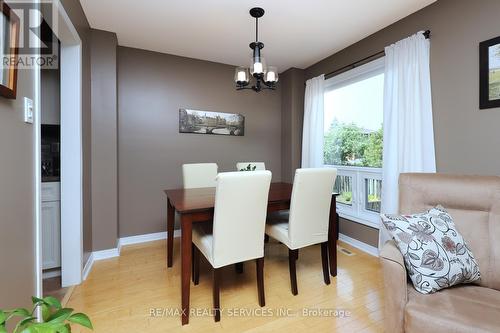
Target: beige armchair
x: 474, y: 204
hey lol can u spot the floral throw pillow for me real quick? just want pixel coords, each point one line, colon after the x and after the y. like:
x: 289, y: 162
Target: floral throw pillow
x: 435, y: 253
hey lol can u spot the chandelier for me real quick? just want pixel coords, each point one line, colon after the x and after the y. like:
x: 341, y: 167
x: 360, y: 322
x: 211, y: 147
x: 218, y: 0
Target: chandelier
x: 264, y: 77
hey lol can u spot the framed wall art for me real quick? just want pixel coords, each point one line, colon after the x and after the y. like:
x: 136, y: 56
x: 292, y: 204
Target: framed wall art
x: 489, y: 73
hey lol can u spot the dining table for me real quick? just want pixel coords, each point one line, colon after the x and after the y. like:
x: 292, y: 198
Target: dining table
x: 196, y: 205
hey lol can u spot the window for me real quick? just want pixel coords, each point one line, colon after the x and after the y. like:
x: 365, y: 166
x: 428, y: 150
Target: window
x: 353, y: 139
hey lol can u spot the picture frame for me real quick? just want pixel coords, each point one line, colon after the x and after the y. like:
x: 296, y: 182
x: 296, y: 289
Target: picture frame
x: 489, y: 73
x: 210, y: 122
x: 9, y: 47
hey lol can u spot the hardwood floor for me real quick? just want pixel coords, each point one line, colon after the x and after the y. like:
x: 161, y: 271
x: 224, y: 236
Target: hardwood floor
x: 137, y: 293
x: 52, y: 287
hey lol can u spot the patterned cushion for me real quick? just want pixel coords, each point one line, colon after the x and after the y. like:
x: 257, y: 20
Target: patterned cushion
x: 435, y: 253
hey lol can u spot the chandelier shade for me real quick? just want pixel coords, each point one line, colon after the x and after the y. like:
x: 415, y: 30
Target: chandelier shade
x: 263, y: 77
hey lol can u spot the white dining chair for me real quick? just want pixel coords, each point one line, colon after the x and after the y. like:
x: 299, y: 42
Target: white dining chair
x: 198, y: 175
x: 308, y: 219
x: 243, y: 165
x: 237, y: 234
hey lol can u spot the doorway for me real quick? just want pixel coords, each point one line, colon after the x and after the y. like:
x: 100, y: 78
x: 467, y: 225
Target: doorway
x: 71, y: 183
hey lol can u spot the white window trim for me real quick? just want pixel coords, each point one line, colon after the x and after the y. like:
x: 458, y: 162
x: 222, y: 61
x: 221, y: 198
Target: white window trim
x: 357, y: 212
x: 356, y: 74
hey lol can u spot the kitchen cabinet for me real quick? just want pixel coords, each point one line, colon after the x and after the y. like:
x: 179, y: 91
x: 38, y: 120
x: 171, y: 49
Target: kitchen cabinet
x: 51, y: 225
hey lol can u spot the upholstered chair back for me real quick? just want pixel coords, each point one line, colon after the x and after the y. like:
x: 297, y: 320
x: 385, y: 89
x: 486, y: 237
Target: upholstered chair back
x: 258, y: 165
x: 474, y: 204
x: 240, y: 216
x: 310, y: 206
x: 198, y: 175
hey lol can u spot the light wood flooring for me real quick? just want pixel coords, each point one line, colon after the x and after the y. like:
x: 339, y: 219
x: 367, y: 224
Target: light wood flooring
x: 52, y: 287
x: 120, y: 294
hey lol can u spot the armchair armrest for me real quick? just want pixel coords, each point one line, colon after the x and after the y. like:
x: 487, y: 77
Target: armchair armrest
x: 395, y: 287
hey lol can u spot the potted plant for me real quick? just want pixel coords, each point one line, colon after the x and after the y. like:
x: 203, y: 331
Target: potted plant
x: 249, y: 168
x: 55, y: 318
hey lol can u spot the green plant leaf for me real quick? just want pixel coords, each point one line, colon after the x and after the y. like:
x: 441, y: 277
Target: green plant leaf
x: 49, y: 327
x: 19, y: 312
x: 22, y: 323
x: 45, y: 312
x: 81, y: 319
x: 3, y: 329
x: 3, y: 317
x: 60, y: 316
x: 52, y: 301
x: 36, y: 300
x: 65, y: 329
x: 39, y: 329
x: 29, y: 329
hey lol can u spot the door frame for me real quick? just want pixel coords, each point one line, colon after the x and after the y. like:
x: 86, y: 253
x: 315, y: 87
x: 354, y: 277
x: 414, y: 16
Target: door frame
x: 71, y: 149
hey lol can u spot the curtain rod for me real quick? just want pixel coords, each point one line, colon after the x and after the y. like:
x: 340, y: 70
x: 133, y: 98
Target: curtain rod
x: 427, y: 35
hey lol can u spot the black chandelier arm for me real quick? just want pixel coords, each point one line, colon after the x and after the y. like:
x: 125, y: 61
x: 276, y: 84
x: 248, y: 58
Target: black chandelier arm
x: 254, y: 88
x: 270, y: 84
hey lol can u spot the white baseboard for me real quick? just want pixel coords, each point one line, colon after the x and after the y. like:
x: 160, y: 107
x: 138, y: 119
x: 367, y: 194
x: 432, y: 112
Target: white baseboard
x: 51, y: 274
x: 106, y: 254
x: 145, y: 238
x: 88, y: 266
x: 112, y: 253
x: 372, y: 250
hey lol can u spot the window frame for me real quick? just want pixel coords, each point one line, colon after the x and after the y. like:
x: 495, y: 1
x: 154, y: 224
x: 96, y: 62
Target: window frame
x: 357, y: 211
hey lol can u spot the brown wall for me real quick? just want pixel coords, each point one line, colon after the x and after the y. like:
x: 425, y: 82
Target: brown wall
x: 104, y: 140
x: 292, y: 111
x: 151, y: 89
x: 17, y: 182
x: 17, y: 197
x: 466, y: 138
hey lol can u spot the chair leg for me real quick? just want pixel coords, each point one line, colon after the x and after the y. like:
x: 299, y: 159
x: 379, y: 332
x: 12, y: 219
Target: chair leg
x: 260, y: 280
x: 216, y: 294
x: 238, y: 267
x: 196, y: 266
x: 292, y: 258
x: 324, y: 260
x: 266, y: 238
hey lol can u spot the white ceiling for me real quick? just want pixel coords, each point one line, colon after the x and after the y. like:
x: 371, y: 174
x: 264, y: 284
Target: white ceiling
x: 295, y: 33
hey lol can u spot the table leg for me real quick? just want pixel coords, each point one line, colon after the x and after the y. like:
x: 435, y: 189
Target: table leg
x: 332, y: 237
x: 170, y: 232
x: 186, y: 240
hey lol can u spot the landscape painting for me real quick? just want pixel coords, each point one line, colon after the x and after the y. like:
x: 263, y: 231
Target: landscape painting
x: 209, y: 122
x: 489, y: 55
x: 494, y: 72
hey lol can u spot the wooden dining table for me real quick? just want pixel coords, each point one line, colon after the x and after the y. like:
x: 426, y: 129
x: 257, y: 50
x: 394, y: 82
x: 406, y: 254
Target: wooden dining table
x: 197, y: 206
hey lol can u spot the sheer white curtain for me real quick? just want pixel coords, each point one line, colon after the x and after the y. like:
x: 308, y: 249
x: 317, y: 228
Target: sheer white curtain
x: 312, y: 134
x: 408, y: 127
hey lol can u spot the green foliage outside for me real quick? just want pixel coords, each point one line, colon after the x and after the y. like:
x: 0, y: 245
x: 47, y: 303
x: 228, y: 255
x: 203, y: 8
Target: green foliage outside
x: 348, y: 144
x: 345, y: 197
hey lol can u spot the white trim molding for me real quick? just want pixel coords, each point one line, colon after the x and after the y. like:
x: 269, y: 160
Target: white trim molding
x: 106, y: 254
x: 51, y: 274
x: 371, y: 250
x: 88, y: 266
x: 145, y: 238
